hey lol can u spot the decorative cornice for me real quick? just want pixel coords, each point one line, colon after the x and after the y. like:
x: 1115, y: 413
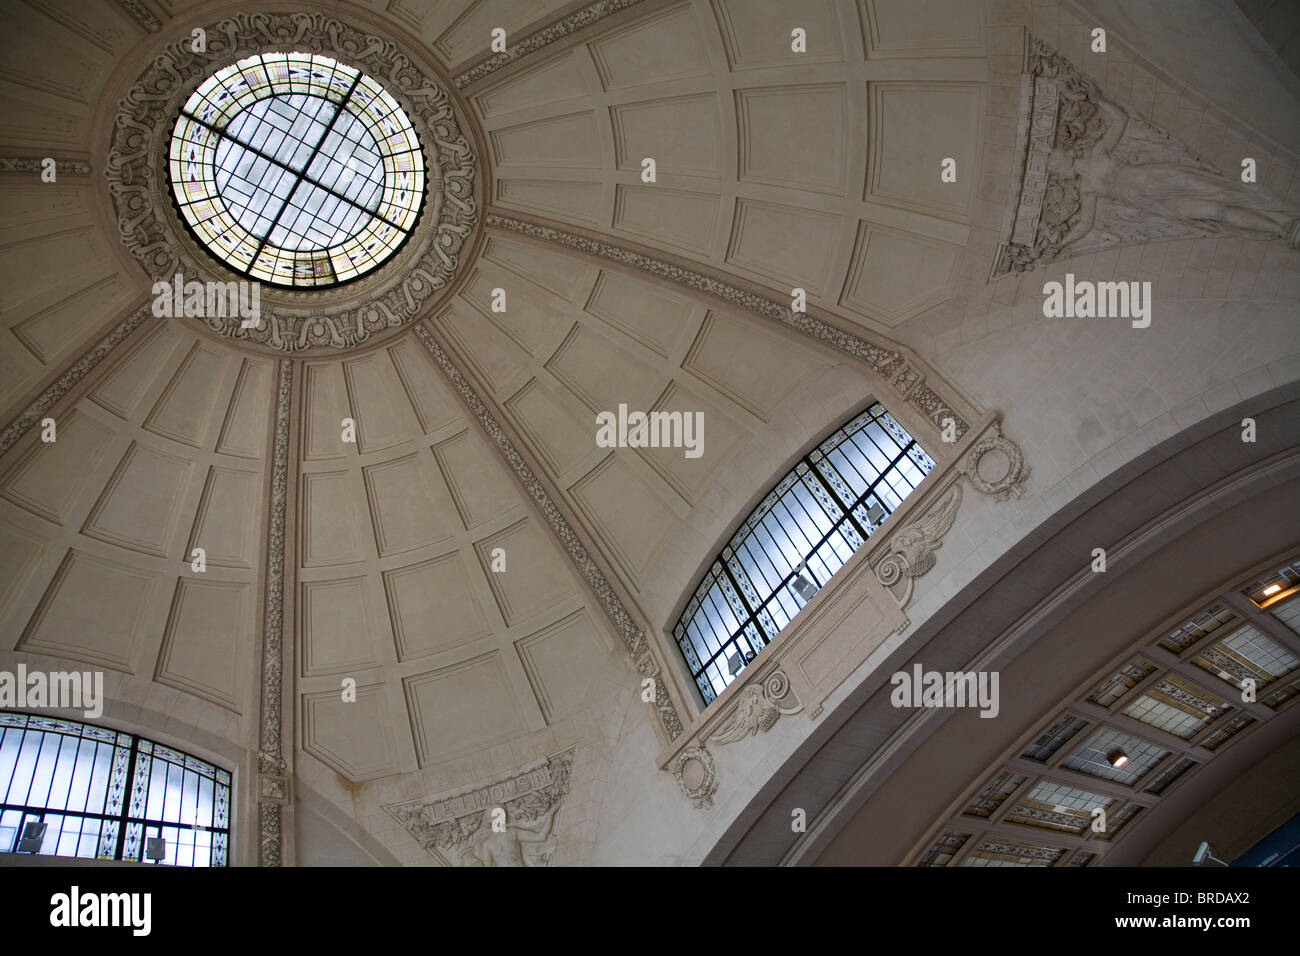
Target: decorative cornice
x: 633, y: 637
x: 65, y: 382
x: 16, y: 164
x: 454, y: 825
x: 893, y: 366
x: 142, y: 14
x: 547, y: 35
x: 294, y: 321
x: 271, y: 763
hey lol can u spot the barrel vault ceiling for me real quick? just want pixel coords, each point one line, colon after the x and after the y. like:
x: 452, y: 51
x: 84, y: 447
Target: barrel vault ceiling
x: 774, y: 170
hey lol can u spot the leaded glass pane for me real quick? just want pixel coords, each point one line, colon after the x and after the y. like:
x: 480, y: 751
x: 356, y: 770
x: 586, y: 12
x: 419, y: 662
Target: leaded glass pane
x: 296, y: 170
x: 803, y: 531
x: 74, y: 778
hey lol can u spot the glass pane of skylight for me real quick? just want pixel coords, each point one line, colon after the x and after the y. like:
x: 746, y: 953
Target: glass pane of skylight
x: 296, y: 170
x: 1094, y: 756
x: 1176, y: 705
x: 1247, y: 654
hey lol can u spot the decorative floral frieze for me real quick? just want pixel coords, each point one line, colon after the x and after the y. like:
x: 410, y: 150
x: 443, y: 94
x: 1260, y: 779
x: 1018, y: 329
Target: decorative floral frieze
x: 294, y: 321
x: 889, y: 363
x: 65, y: 382
x: 579, y: 19
x: 507, y: 821
x: 11, y: 164
x: 143, y: 15
x: 271, y: 763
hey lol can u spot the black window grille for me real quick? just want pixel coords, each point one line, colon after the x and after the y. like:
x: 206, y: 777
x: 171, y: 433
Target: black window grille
x: 804, y: 530
x: 103, y: 794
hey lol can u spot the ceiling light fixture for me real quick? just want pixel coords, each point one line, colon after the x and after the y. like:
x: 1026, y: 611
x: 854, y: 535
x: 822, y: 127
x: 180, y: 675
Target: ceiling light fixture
x: 1272, y: 589
x: 1117, y: 758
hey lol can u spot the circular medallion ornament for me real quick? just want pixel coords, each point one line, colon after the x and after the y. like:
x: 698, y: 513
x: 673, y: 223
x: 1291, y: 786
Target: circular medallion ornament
x: 697, y: 776
x: 995, y: 466
x: 309, y: 158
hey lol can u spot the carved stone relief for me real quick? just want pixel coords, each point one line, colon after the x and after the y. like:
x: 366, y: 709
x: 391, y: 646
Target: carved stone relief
x: 697, y: 775
x: 1093, y: 175
x: 995, y: 466
x: 10, y: 164
x: 575, y: 21
x: 760, y: 706
x: 508, y: 821
x: 295, y: 321
x: 142, y: 15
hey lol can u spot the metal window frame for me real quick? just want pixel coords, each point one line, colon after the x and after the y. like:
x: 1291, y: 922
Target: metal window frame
x: 751, y: 635
x: 123, y: 818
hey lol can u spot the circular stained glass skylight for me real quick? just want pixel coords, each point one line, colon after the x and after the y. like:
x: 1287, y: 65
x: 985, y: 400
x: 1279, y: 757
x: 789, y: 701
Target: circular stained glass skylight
x: 296, y: 170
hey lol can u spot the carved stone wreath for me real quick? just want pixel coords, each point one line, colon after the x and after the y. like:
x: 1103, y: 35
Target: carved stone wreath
x: 294, y: 321
x: 697, y: 775
x: 1011, y: 483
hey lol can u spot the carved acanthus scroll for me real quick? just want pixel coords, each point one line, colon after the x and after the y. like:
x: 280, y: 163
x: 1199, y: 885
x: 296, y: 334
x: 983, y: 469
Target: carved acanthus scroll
x: 760, y: 706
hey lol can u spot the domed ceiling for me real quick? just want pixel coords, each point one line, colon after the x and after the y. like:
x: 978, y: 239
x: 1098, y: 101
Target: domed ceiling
x: 394, y: 481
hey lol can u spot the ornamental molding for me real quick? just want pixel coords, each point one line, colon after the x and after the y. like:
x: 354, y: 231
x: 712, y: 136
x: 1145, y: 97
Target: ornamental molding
x: 759, y: 707
x: 633, y: 636
x: 143, y: 15
x: 272, y: 767
x: 69, y: 379
x: 1091, y: 174
x: 294, y: 321
x: 910, y: 552
x: 895, y: 368
x: 696, y: 775
x: 15, y: 164
x: 457, y: 826
x: 995, y: 466
x: 565, y: 26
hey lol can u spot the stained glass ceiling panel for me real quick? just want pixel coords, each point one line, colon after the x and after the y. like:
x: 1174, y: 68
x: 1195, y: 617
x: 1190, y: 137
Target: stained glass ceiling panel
x: 296, y: 170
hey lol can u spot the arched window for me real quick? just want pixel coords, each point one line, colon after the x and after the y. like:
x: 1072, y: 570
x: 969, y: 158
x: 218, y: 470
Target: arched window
x: 805, y: 529
x: 73, y: 789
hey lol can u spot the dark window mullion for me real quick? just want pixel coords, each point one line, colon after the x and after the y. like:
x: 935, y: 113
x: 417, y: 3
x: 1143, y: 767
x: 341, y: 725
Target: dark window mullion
x: 275, y: 220
x: 758, y: 537
x: 881, y: 480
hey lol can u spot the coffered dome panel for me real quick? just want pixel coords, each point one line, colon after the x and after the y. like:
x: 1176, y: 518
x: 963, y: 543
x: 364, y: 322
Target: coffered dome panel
x: 768, y: 164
